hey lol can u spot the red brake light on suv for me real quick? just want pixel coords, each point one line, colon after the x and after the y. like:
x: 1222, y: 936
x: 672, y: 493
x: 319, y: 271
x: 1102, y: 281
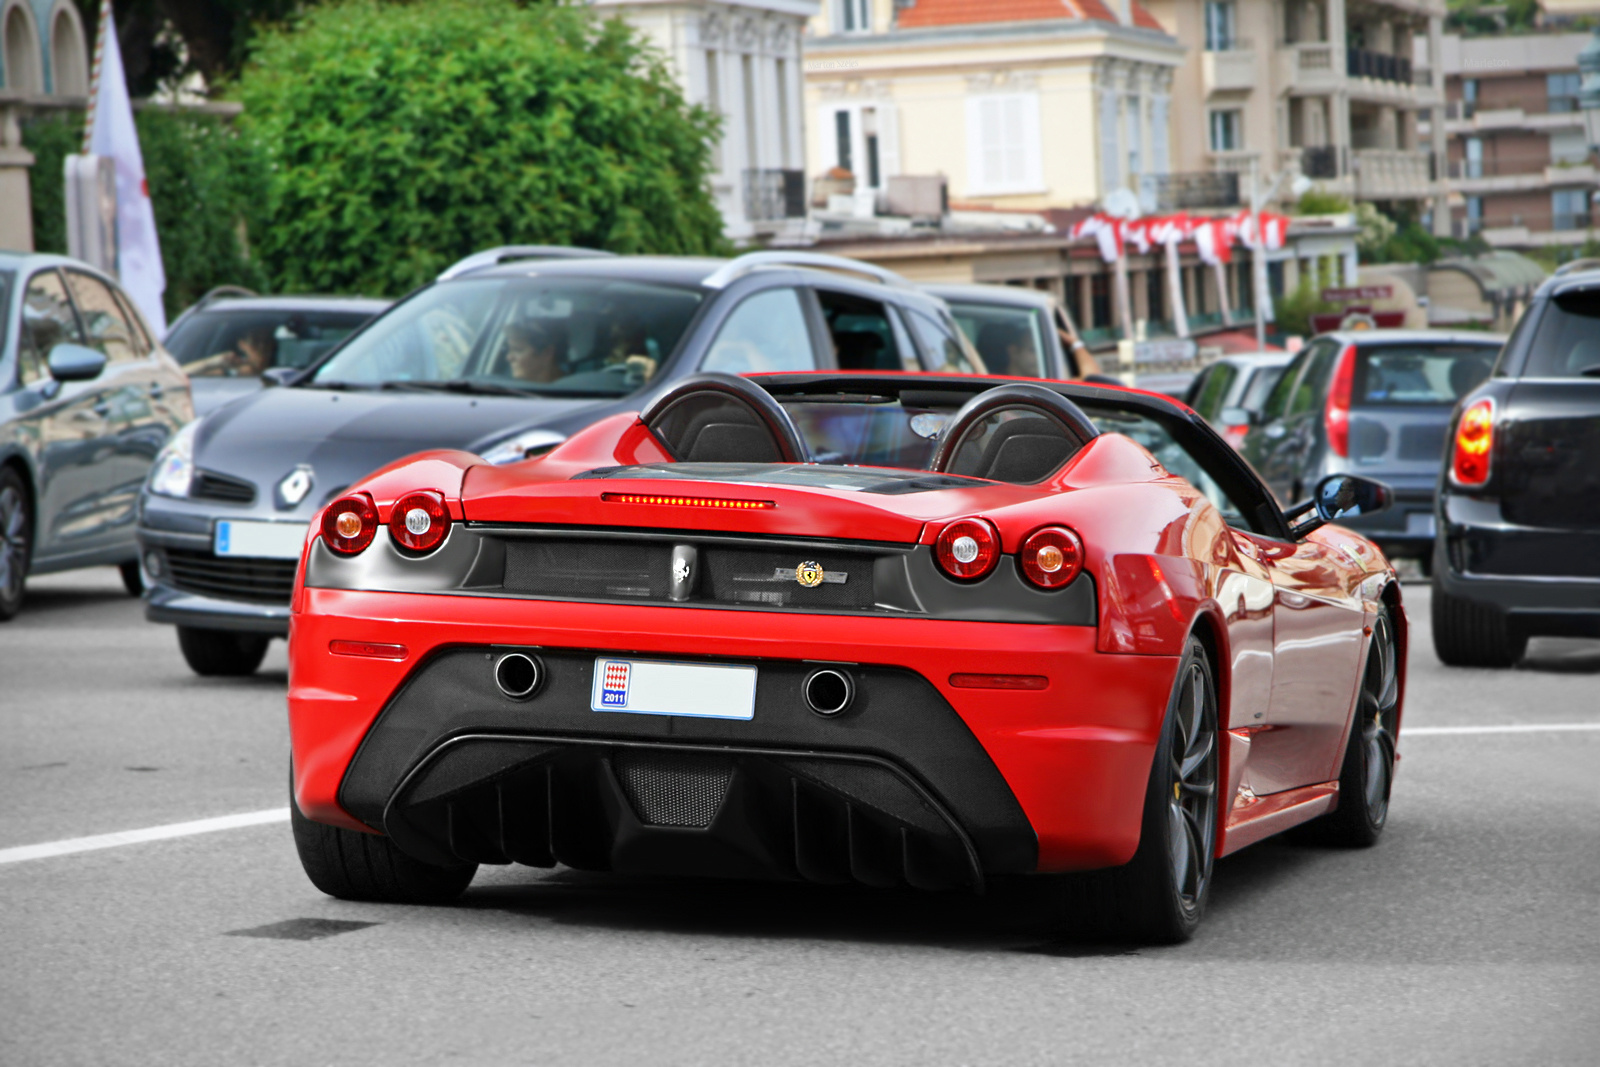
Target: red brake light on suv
x: 1336, y: 416
x: 1474, y: 443
x: 350, y: 524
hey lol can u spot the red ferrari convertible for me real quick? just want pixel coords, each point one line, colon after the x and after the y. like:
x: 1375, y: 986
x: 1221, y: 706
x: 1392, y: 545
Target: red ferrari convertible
x: 896, y: 629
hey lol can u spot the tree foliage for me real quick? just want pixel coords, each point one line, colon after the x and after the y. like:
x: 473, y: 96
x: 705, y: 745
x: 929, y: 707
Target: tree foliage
x: 204, y: 181
x: 1320, y: 202
x: 1292, y: 312
x: 399, y: 137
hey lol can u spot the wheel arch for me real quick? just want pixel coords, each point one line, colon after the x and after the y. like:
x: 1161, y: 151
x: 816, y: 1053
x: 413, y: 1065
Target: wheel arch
x: 18, y: 462
x: 1390, y: 598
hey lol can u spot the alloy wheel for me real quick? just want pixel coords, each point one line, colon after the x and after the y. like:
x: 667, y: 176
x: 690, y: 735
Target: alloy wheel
x: 1380, y: 698
x: 1192, y: 809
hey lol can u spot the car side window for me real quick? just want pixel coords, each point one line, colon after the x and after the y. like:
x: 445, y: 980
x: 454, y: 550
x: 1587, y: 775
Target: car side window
x: 946, y: 348
x: 47, y: 320
x: 1308, y: 391
x: 103, y: 322
x: 1219, y: 379
x: 862, y: 336
x: 767, y: 332
x: 142, y: 345
x: 1278, y: 401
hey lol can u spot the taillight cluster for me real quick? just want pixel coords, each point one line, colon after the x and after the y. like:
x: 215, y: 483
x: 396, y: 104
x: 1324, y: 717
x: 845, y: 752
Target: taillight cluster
x: 1336, y: 416
x: 968, y: 549
x: 1474, y: 444
x: 418, y: 522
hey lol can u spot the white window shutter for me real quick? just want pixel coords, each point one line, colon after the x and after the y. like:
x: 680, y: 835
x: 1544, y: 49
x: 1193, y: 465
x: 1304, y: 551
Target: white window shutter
x: 888, y: 142
x: 1110, y: 164
x: 827, y: 139
x: 1159, y: 161
x: 1032, y: 176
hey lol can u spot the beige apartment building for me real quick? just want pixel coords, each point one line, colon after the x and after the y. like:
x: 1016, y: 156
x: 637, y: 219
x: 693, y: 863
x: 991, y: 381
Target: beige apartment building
x: 1019, y: 104
x: 1321, y: 88
x: 1518, y: 157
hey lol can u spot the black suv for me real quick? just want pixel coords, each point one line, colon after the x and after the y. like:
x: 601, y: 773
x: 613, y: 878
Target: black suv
x: 1518, y: 553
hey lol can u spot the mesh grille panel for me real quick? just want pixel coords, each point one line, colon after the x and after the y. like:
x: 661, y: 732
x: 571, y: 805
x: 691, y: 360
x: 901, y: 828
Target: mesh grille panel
x: 757, y: 576
x: 674, y: 789
x: 604, y: 569
x: 208, y: 486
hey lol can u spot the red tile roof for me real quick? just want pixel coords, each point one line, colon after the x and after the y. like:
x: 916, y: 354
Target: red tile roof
x: 928, y: 13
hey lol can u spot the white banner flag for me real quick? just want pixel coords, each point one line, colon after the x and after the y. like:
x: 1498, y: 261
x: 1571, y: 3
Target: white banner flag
x: 110, y: 132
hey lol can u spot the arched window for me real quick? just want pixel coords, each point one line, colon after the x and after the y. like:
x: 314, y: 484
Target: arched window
x: 21, y: 48
x: 69, y: 59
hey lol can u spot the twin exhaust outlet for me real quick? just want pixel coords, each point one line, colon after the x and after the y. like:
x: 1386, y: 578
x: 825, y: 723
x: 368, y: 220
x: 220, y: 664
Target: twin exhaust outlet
x: 827, y: 691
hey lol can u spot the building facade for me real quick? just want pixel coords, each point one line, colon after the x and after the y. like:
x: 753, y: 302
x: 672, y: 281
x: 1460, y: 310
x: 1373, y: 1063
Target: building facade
x: 1518, y: 157
x: 742, y: 60
x: 1326, y: 89
x: 1020, y: 106
x: 44, y: 63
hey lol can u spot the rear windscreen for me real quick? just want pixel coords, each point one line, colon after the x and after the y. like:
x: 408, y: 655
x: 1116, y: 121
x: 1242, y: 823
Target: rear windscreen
x: 1568, y: 342
x: 1396, y: 375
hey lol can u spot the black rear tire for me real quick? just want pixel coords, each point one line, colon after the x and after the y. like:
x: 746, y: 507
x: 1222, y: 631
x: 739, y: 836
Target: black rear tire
x: 132, y: 580
x: 352, y: 865
x: 16, y: 542
x: 1469, y: 634
x: 1159, y: 897
x: 222, y: 653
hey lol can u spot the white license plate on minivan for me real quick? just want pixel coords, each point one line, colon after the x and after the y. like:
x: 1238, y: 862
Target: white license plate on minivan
x: 652, y: 687
x: 258, y: 540
x: 1420, y: 523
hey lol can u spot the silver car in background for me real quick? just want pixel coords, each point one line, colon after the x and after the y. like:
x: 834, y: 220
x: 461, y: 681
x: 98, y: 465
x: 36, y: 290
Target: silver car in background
x: 1230, y: 393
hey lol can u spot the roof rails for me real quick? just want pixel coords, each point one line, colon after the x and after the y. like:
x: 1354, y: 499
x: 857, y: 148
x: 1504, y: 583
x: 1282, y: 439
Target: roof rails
x: 222, y: 292
x: 1576, y: 265
x: 492, y: 257
x: 735, y: 269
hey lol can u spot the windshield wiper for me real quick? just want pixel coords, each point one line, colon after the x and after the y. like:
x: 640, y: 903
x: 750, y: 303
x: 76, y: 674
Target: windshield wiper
x: 334, y: 385
x: 458, y: 385
x: 1590, y: 372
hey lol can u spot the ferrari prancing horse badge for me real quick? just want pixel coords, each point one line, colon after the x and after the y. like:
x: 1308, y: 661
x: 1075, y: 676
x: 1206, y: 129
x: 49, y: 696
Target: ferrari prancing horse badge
x: 809, y: 574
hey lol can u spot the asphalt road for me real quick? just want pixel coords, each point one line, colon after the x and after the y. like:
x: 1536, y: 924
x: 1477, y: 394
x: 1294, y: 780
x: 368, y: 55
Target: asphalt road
x: 1470, y: 935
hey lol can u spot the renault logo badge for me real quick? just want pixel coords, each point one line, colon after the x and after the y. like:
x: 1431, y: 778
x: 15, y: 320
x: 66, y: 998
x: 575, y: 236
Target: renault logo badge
x: 809, y: 574
x: 294, y: 487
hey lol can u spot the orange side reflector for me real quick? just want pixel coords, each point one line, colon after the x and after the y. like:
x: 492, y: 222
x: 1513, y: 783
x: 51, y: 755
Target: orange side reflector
x: 688, y: 501
x: 368, y: 649
x: 999, y: 681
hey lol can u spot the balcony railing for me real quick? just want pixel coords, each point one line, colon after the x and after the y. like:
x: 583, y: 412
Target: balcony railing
x: 1361, y: 63
x: 1497, y: 168
x: 773, y: 195
x: 1190, y: 189
x: 1384, y: 173
x: 1321, y: 161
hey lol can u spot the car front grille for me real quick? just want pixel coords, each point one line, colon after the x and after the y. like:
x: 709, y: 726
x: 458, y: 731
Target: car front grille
x: 643, y: 570
x: 220, y: 487
x: 264, y: 581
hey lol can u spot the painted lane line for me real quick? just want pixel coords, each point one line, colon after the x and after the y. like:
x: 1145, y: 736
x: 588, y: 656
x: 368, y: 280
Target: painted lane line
x: 136, y: 837
x: 1509, y: 728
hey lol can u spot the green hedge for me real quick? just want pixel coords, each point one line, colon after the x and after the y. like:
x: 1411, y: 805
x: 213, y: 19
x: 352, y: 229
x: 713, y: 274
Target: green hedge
x: 401, y: 137
x: 205, y: 182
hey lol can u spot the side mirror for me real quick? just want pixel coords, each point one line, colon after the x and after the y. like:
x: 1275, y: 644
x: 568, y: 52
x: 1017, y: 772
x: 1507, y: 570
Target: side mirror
x: 1338, y: 496
x: 279, y: 376
x: 75, y: 363
x: 1237, y: 417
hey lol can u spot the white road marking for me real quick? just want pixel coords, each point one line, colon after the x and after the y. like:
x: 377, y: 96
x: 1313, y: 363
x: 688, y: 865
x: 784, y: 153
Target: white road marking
x: 135, y: 837
x: 257, y: 818
x: 1509, y: 728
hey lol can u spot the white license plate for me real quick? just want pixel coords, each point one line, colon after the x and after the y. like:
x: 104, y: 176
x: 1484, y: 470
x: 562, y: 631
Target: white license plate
x: 650, y: 687
x: 1419, y: 523
x: 260, y: 540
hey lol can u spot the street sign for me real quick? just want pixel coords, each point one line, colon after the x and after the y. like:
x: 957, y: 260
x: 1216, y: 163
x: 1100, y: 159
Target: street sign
x: 1360, y: 292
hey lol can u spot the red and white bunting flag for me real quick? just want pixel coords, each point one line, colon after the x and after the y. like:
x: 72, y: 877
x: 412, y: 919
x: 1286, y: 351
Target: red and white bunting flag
x: 109, y: 131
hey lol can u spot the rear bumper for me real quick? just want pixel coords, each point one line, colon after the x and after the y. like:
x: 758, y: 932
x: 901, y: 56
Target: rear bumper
x: 1518, y: 569
x: 919, y: 781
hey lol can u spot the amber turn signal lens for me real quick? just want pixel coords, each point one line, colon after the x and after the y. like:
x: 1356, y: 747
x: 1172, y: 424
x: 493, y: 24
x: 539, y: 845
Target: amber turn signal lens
x: 418, y: 521
x: 967, y: 549
x: 350, y: 523
x: 1051, y: 557
x: 1474, y: 442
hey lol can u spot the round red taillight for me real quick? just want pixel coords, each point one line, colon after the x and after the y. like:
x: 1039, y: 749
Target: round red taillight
x: 1051, y: 557
x: 350, y: 523
x: 419, y: 521
x: 1474, y: 444
x: 968, y: 549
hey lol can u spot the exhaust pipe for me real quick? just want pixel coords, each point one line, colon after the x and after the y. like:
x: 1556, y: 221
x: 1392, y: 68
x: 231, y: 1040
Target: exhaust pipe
x: 517, y: 675
x: 829, y: 692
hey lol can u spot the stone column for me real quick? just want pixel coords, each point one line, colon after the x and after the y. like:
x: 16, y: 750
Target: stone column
x: 1436, y: 131
x: 16, y: 199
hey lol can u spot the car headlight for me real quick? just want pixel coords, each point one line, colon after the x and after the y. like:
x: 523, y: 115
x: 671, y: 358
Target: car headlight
x: 174, y: 466
x: 523, y: 446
